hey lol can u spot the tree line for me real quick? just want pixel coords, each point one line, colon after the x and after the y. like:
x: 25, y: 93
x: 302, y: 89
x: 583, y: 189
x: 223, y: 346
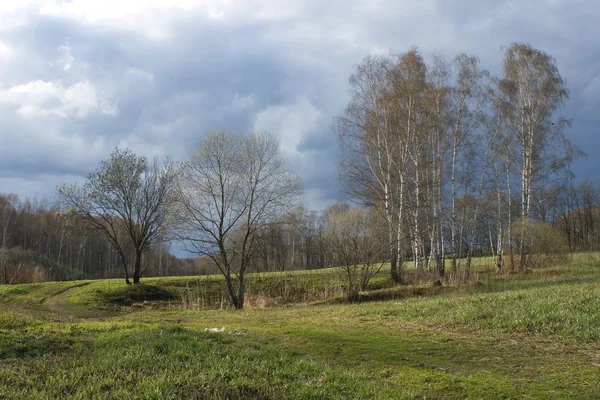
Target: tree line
x: 35, y: 236
x: 39, y: 242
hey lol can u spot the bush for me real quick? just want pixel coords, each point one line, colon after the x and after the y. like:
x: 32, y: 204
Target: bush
x: 543, y: 244
x: 18, y: 265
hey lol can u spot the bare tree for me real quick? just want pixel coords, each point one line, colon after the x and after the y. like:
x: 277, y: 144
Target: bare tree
x: 289, y: 244
x: 385, y: 136
x: 468, y: 100
x: 357, y: 244
x: 232, y: 186
x: 128, y: 200
x: 374, y: 154
x: 412, y: 110
x: 533, y: 91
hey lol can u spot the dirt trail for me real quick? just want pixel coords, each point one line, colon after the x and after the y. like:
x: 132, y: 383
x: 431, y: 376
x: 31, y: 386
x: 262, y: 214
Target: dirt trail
x: 58, y: 302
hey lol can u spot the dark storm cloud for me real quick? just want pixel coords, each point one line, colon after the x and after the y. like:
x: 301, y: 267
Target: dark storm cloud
x: 78, y: 80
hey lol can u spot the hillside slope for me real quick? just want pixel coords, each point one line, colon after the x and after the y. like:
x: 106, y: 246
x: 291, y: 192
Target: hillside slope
x: 531, y: 335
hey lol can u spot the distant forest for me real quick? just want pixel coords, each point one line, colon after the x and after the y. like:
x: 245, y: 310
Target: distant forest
x: 37, y: 242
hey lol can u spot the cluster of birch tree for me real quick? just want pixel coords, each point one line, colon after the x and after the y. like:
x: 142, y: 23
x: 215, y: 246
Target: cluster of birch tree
x: 442, y: 147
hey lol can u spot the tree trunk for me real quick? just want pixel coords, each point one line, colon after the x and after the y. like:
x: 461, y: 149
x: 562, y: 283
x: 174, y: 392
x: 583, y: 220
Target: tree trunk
x: 396, y: 274
x: 236, y: 299
x: 124, y: 262
x: 499, y: 252
x: 399, y: 256
x: 3, y: 250
x: 137, y: 267
x: 500, y: 240
x: 241, y: 292
x: 293, y: 257
x: 509, y: 215
x: 394, y: 268
x: 417, y: 246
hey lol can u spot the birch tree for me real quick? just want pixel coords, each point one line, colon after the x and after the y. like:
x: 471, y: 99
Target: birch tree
x: 373, y: 154
x: 467, y: 109
x: 534, y: 91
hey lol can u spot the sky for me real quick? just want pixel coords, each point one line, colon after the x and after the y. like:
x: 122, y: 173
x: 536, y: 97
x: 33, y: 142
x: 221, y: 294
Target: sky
x: 80, y: 78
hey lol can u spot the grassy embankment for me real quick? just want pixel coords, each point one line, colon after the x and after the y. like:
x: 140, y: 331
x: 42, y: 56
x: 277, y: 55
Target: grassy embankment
x: 531, y: 335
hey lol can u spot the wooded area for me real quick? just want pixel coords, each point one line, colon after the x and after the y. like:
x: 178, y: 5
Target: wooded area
x: 456, y: 159
x: 442, y: 161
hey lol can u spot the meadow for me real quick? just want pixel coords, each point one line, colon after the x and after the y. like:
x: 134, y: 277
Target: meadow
x: 530, y: 335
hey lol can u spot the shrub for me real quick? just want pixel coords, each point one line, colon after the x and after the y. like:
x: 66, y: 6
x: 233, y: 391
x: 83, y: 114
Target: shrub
x: 544, y: 245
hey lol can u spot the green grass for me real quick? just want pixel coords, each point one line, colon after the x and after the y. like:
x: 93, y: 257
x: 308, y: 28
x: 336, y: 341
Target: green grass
x: 530, y: 335
x: 174, y: 363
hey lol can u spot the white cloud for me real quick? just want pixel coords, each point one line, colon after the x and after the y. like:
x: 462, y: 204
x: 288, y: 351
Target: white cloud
x: 38, y: 99
x: 9, y: 6
x: 141, y: 146
x: 141, y: 73
x: 146, y: 17
x: 112, y: 10
x: 6, y: 52
x: 293, y: 124
x: 289, y: 123
x: 66, y: 60
x: 241, y: 102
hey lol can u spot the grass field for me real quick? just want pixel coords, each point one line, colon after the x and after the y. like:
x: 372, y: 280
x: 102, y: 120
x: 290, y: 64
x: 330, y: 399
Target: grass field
x: 531, y: 335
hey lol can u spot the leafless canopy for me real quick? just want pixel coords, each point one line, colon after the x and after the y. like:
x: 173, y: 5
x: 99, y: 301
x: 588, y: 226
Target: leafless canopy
x: 129, y: 200
x: 357, y: 243
x: 423, y: 140
x: 232, y: 186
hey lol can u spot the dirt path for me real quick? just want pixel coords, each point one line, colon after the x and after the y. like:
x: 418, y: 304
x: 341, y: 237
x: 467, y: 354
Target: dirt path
x: 58, y: 302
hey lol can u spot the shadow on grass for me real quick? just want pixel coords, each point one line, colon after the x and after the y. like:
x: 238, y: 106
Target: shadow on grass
x: 483, y: 281
x: 19, y: 344
x: 389, y: 294
x: 131, y: 294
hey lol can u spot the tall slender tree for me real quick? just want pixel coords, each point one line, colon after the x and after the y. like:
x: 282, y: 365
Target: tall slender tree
x: 533, y: 91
